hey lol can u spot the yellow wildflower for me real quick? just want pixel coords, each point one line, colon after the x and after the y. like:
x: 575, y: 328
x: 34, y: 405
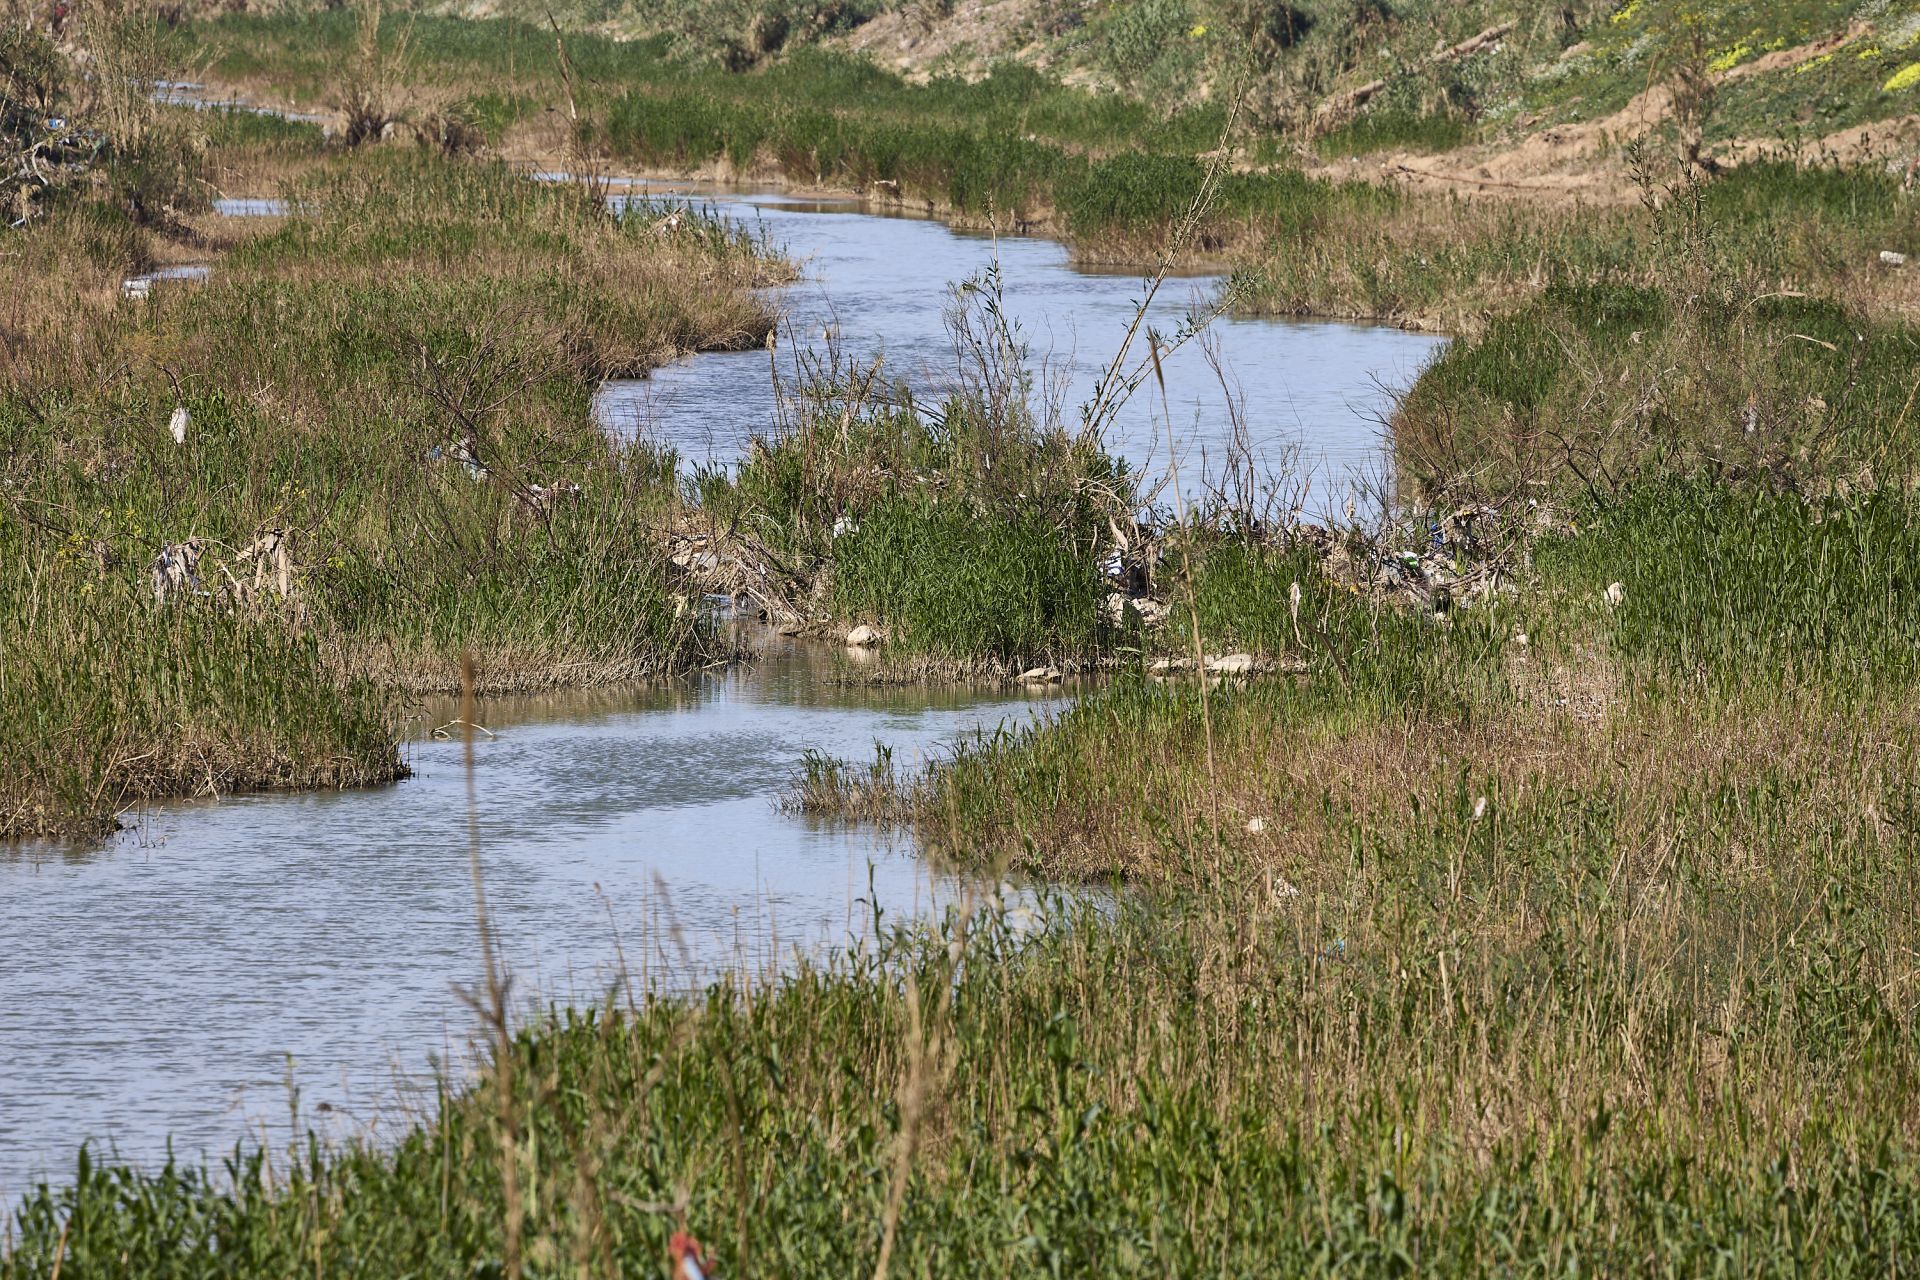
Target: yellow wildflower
x: 1905, y: 78
x: 1731, y: 58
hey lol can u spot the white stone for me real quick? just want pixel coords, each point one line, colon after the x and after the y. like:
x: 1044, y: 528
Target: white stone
x: 862, y: 637
x: 1232, y: 664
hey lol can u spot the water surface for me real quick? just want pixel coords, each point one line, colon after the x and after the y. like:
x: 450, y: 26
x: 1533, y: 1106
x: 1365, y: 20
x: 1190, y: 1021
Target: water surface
x: 172, y: 982
x: 1310, y: 395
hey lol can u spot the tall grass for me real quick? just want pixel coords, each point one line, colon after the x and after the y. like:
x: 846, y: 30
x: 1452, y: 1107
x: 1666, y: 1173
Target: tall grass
x: 947, y: 581
x: 110, y: 700
x: 1593, y: 385
x: 1468, y: 1043
x: 395, y: 381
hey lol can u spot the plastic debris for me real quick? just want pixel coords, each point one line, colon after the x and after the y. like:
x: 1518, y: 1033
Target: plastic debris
x: 177, y: 569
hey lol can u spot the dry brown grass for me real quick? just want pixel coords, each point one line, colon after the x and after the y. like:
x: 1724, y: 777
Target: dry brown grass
x: 1137, y: 798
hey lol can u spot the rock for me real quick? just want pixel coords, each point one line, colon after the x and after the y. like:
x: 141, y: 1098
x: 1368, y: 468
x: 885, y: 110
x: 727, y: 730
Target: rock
x: 863, y: 637
x: 1152, y: 612
x: 1232, y: 664
x: 696, y: 561
x: 1616, y: 595
x: 1040, y: 675
x: 1892, y: 259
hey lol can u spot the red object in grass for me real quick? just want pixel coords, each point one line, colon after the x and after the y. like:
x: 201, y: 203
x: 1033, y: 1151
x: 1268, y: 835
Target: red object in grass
x: 689, y: 1262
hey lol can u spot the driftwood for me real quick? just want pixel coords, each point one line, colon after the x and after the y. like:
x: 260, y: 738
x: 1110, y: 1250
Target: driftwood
x: 1353, y: 99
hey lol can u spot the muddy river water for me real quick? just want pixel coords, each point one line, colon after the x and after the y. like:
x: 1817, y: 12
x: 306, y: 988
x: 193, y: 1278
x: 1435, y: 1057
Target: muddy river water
x: 175, y: 983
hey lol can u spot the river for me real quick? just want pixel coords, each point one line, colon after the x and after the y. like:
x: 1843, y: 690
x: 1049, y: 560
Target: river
x: 174, y: 984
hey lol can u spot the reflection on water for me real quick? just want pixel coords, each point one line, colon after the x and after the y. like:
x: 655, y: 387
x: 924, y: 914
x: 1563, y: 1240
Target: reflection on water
x: 185, y: 93
x: 157, y: 986
x: 250, y: 207
x: 877, y: 282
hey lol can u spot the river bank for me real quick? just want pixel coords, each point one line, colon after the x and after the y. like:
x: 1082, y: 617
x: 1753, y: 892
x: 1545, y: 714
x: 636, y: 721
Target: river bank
x: 1018, y: 150
x: 1312, y: 397
x: 1558, y: 916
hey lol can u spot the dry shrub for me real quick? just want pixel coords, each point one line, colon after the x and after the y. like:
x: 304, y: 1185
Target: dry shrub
x: 373, y: 78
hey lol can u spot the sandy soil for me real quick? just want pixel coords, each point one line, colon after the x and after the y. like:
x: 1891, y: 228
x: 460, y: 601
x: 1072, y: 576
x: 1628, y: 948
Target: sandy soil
x: 1583, y: 162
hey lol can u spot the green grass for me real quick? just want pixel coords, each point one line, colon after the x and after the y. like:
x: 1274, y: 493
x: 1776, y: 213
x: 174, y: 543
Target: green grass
x: 1728, y: 587
x: 110, y: 701
x: 1592, y: 386
x: 1595, y: 1027
x: 1387, y: 130
x: 1551, y: 935
x: 948, y: 582
x: 336, y: 368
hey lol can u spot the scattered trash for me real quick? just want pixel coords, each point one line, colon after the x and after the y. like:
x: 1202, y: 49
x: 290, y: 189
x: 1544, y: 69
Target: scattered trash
x: 178, y: 424
x: 1616, y: 594
x: 541, y: 499
x: 862, y: 637
x: 1892, y: 259
x: 272, y: 566
x: 464, y: 451
x: 689, y: 1260
x: 1040, y: 675
x: 177, y: 569
x: 1256, y: 825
